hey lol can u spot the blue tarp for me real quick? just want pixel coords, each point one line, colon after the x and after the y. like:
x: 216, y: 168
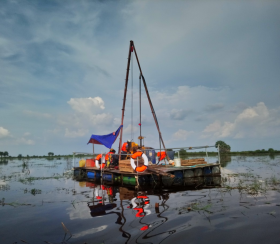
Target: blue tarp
x: 106, y: 140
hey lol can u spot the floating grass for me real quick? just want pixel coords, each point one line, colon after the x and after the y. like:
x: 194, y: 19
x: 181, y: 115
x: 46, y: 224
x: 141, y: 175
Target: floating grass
x: 13, y: 204
x: 29, y: 180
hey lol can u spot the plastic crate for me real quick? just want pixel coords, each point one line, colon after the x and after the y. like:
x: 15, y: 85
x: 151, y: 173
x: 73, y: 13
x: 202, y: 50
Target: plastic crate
x: 90, y: 162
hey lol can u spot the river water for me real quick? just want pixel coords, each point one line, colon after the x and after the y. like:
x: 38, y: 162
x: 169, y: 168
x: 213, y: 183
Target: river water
x: 41, y: 203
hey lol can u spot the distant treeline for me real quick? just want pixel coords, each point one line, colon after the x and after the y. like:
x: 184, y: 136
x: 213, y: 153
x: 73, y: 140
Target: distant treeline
x: 182, y: 152
x: 256, y: 152
x: 49, y: 156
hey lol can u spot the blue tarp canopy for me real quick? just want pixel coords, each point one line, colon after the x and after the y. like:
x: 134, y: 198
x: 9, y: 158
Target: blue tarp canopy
x: 106, y: 140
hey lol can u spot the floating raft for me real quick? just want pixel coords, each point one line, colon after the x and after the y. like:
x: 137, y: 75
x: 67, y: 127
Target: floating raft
x: 155, y: 175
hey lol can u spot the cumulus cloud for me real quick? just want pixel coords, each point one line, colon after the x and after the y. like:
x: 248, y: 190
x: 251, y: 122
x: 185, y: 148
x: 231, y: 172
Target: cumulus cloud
x: 87, y: 105
x: 87, y: 112
x: 4, y: 132
x: 181, y: 135
x: 257, y: 121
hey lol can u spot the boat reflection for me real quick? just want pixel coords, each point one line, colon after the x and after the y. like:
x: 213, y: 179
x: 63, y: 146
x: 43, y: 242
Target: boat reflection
x: 118, y: 200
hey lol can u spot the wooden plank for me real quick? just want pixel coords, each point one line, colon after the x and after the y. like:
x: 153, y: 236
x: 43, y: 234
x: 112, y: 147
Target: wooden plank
x: 159, y: 171
x: 189, y: 163
x: 197, y: 162
x: 194, y: 159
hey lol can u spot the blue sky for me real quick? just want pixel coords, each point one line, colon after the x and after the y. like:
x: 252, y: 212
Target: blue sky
x: 212, y: 70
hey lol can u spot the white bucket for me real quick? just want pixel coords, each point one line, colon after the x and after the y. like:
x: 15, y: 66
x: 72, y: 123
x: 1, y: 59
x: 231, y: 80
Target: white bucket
x: 177, y: 162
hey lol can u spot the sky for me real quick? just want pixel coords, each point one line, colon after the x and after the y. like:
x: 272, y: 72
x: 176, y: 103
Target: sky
x: 211, y: 68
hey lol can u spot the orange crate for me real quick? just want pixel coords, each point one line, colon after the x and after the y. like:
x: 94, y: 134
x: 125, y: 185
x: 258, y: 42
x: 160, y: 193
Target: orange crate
x: 90, y: 163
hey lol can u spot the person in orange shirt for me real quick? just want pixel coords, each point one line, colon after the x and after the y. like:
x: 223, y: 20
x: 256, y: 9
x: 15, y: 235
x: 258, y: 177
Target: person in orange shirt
x: 124, y: 147
x: 161, y: 155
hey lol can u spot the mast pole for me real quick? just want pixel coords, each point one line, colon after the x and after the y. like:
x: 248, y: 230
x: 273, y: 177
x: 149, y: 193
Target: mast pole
x: 149, y: 99
x: 125, y: 91
x: 140, y: 124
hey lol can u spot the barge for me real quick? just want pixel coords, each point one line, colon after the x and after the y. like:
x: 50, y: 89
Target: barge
x: 137, y: 165
x: 167, y: 176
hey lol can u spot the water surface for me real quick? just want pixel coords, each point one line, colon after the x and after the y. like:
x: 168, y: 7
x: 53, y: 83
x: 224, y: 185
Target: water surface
x: 38, y: 195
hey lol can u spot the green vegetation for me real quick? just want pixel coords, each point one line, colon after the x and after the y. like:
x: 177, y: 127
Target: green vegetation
x: 224, y: 148
x: 50, y: 156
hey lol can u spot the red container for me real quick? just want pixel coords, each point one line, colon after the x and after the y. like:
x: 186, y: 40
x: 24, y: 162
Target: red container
x: 90, y: 162
x: 90, y: 184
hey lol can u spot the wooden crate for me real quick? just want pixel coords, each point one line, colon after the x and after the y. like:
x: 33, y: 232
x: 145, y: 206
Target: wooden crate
x: 193, y: 161
x: 125, y: 166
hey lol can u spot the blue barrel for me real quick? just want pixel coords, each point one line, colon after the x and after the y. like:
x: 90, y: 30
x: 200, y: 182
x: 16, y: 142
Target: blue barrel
x: 179, y: 178
x: 207, y: 171
x: 93, y: 175
x: 107, y: 177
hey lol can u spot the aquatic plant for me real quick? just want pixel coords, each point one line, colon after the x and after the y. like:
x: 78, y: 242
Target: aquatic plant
x: 35, y: 191
x: 198, y: 207
x: 274, y: 181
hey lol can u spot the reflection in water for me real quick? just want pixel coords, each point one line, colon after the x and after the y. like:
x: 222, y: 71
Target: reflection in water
x: 4, y: 161
x: 225, y: 160
x: 271, y: 156
x: 104, y: 202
